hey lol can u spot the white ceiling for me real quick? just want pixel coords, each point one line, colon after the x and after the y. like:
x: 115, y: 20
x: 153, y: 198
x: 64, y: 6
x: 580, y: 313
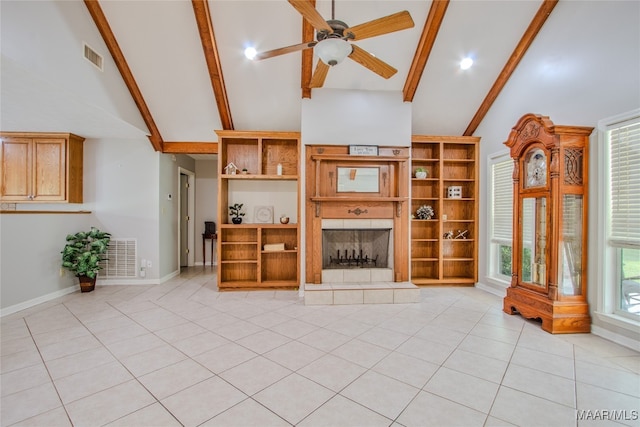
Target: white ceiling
x: 42, y: 62
x: 160, y: 42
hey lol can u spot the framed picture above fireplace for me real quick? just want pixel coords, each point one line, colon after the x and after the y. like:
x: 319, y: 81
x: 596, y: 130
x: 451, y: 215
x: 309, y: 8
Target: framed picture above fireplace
x: 358, y: 180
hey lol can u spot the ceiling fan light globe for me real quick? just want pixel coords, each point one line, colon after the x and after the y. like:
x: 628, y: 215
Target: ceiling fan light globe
x: 333, y: 51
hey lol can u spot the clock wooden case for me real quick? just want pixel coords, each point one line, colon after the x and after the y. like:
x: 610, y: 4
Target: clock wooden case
x: 549, y: 253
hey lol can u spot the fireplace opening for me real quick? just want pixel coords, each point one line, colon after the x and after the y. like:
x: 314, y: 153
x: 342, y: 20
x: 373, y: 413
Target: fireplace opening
x: 355, y: 248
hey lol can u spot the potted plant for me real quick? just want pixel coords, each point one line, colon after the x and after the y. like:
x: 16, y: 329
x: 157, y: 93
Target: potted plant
x: 236, y: 214
x: 421, y: 173
x: 425, y: 212
x: 82, y: 255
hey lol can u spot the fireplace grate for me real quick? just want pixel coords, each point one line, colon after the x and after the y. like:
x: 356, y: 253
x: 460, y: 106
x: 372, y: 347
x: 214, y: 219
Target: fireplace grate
x: 355, y: 248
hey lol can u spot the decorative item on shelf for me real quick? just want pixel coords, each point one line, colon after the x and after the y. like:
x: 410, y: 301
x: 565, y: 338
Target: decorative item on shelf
x: 244, y: 171
x: 363, y: 150
x: 425, y: 212
x: 462, y: 234
x: 231, y: 169
x: 454, y: 192
x: 421, y: 173
x: 448, y: 234
x: 279, y: 169
x: 82, y: 255
x: 284, y: 219
x: 236, y: 213
x: 263, y: 215
x: 273, y: 247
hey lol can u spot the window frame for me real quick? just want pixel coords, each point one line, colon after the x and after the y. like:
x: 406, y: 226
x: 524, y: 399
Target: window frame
x: 494, y: 244
x: 608, y: 292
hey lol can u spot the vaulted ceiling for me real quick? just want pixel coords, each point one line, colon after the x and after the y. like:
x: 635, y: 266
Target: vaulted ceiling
x: 183, y: 61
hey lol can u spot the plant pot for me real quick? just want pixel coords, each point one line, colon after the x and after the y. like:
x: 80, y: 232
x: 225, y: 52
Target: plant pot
x: 87, y: 284
x: 421, y: 175
x: 237, y: 220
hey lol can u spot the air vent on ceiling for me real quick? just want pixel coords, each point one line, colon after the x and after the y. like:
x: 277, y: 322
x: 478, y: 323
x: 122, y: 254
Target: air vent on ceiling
x: 92, y: 56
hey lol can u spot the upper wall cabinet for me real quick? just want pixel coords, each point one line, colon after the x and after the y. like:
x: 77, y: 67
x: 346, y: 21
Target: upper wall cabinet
x: 40, y: 167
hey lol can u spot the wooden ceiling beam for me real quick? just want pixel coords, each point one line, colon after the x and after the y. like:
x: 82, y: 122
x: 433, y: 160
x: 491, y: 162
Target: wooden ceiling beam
x: 184, y: 147
x: 427, y: 39
x: 210, y: 48
x: 308, y: 34
x: 529, y: 36
x: 93, y: 6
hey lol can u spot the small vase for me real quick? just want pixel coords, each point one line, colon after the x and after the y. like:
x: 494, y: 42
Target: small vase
x: 236, y: 220
x: 284, y: 219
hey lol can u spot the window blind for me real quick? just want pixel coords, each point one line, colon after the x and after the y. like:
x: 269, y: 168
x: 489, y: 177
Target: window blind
x: 502, y: 207
x: 624, y: 143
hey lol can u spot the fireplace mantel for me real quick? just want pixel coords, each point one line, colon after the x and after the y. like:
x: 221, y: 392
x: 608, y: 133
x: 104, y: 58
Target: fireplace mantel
x: 324, y: 200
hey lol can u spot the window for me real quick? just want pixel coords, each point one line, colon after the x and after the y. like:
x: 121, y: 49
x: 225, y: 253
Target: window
x: 621, y: 224
x: 500, y: 217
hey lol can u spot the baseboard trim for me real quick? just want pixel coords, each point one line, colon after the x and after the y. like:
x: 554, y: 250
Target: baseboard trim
x: 39, y: 300
x: 492, y: 289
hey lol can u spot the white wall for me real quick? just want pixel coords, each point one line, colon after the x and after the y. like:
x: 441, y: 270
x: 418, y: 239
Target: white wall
x: 30, y: 258
x: 348, y: 117
x: 578, y: 78
x: 42, y: 41
x: 120, y: 188
x: 206, y: 204
x: 168, y: 209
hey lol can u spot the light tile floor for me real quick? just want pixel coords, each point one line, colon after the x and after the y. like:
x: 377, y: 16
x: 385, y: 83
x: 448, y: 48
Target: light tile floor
x: 182, y: 353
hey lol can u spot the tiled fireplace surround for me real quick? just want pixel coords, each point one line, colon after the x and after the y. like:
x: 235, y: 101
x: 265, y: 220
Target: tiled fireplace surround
x: 360, y: 285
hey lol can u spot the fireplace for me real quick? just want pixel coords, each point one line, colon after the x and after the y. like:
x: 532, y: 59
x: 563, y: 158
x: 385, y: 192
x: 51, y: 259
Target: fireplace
x: 357, y: 222
x: 355, y: 248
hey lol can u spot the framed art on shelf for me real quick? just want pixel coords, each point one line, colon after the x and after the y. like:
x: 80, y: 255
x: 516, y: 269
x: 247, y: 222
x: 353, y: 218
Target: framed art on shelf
x: 263, y: 215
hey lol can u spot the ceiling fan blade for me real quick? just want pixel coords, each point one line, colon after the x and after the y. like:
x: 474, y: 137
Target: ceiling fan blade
x: 369, y: 61
x: 377, y: 27
x: 283, y: 50
x: 319, y: 75
x: 309, y: 12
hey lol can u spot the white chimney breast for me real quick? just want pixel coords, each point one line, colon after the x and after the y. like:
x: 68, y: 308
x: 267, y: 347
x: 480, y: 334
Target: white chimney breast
x: 356, y: 117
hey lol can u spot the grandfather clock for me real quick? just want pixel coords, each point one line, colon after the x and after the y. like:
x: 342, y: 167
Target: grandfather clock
x: 549, y: 253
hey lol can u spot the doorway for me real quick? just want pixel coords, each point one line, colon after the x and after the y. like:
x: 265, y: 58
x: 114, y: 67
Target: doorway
x: 186, y: 228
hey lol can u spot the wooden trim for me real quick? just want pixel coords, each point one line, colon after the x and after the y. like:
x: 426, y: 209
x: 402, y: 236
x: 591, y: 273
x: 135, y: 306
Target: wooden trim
x: 427, y: 39
x: 518, y: 53
x: 308, y: 33
x: 190, y: 147
x: 3, y: 212
x: 257, y: 134
x: 112, y: 44
x: 210, y: 49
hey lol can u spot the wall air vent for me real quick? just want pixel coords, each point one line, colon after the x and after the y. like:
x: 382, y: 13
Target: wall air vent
x: 92, y: 56
x: 120, y: 260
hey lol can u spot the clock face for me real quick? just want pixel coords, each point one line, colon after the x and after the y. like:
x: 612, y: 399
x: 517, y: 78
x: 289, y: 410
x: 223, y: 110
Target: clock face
x: 536, y: 168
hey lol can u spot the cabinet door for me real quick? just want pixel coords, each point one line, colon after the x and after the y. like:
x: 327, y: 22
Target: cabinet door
x: 49, y: 174
x: 16, y: 164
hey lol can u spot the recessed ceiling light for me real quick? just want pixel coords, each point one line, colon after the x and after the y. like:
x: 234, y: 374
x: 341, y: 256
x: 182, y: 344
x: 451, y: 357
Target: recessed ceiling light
x: 466, y: 63
x: 250, y: 52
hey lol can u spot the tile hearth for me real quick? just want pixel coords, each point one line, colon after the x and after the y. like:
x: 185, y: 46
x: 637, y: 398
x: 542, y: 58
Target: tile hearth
x: 361, y: 293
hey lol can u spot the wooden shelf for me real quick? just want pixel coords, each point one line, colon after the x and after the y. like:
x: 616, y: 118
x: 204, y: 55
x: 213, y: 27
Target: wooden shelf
x: 244, y: 262
x: 449, y: 161
x: 261, y: 177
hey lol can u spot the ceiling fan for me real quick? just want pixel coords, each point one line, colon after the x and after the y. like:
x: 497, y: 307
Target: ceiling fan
x: 334, y: 37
